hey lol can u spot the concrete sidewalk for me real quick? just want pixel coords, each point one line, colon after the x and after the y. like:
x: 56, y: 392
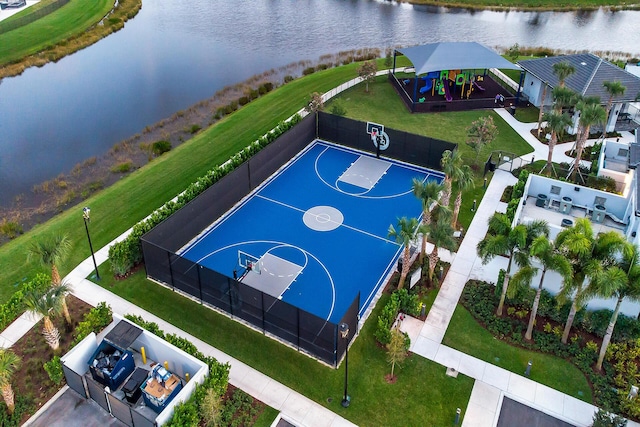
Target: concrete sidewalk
x: 492, y: 383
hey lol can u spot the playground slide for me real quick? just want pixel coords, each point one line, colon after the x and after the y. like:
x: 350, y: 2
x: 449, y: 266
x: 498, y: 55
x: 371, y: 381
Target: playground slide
x: 427, y: 87
x: 447, y: 93
x: 480, y: 88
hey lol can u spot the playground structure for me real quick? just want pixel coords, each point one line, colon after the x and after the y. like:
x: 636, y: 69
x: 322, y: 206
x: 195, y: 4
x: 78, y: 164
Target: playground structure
x: 453, y: 77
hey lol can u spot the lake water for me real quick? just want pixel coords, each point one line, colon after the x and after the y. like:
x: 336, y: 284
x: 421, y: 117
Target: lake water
x: 168, y: 58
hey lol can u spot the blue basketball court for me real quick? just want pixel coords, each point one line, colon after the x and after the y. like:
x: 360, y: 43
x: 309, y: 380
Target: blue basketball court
x: 315, y: 234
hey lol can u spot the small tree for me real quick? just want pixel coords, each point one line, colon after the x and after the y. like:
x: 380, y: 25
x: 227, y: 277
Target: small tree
x: 48, y: 304
x: 367, y: 72
x: 396, y: 349
x: 9, y: 363
x: 481, y: 132
x: 388, y: 58
x: 314, y: 105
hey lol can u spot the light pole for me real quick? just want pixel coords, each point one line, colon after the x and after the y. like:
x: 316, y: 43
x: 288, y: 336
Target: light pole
x: 344, y: 333
x: 85, y: 216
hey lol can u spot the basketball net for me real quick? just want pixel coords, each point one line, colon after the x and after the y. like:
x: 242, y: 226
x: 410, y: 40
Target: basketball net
x: 374, y: 137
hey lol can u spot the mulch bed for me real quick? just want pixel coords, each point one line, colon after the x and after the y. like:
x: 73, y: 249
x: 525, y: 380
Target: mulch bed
x: 32, y: 380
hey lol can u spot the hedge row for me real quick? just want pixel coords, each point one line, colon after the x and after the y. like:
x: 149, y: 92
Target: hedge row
x: 127, y: 253
x: 188, y: 413
x: 481, y: 300
x: 15, y: 306
x: 400, y: 301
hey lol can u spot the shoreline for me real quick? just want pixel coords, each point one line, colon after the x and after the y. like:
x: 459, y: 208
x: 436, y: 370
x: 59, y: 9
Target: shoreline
x: 519, y: 8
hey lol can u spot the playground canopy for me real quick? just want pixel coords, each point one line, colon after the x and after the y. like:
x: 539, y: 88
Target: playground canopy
x: 454, y: 56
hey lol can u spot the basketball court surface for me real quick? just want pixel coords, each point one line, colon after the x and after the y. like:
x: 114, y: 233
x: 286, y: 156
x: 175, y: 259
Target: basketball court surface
x: 315, y: 233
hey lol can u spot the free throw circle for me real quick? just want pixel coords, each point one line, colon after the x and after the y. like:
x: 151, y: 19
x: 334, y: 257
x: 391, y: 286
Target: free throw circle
x: 323, y: 218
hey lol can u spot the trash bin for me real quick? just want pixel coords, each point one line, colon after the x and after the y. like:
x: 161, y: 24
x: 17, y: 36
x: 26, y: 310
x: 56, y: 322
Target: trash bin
x: 512, y: 110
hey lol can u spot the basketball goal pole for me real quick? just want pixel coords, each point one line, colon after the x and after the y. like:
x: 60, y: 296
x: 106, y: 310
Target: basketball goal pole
x: 374, y: 138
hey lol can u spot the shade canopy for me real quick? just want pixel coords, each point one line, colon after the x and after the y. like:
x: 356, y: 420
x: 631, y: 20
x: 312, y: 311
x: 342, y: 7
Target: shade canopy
x: 454, y: 56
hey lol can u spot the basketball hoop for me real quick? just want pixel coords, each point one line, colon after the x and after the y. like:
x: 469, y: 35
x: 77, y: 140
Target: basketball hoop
x: 374, y: 137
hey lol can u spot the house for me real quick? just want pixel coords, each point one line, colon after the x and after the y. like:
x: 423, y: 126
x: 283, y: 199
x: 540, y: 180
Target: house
x: 590, y: 74
x: 132, y: 374
x: 560, y: 203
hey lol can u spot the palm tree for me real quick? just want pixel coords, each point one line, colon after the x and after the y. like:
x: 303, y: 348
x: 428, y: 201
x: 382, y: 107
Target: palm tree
x: 441, y: 235
x: 589, y: 257
x: 627, y: 287
x: 48, y: 304
x: 50, y: 253
x: 545, y: 251
x: 591, y: 113
x: 451, y: 163
x: 464, y: 181
x: 427, y: 192
x: 407, y: 229
x: 614, y: 89
x: 9, y: 364
x: 503, y: 239
x: 563, y: 98
x: 563, y: 70
x: 557, y: 123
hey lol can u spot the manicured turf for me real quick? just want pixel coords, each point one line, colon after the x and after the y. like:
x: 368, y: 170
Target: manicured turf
x: 120, y: 206
x: 71, y: 19
x: 466, y: 335
x: 413, y: 400
x: 383, y: 105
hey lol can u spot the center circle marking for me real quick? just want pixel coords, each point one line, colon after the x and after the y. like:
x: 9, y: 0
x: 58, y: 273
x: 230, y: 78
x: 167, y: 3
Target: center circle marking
x: 323, y: 218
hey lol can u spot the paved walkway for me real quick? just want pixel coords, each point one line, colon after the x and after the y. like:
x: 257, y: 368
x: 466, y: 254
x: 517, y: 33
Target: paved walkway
x: 492, y: 383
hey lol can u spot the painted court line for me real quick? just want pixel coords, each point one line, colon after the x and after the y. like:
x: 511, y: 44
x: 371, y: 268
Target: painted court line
x: 343, y: 225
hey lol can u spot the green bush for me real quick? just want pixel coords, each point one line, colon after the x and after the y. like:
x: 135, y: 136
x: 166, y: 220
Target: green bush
x: 160, y: 147
x: 400, y: 301
x: 338, y: 109
x: 127, y: 253
x: 244, y: 100
x: 95, y: 320
x: 11, y: 229
x: 195, y: 128
x: 54, y: 369
x: 308, y: 70
x: 288, y: 79
x: 15, y: 306
x: 122, y: 167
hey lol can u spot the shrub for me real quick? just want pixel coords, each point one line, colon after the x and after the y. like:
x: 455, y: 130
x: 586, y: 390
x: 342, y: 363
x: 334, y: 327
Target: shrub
x: 244, y: 100
x: 338, y: 109
x: 288, y: 79
x: 160, y: 147
x: 95, y: 320
x: 11, y: 229
x: 308, y: 70
x: 194, y: 129
x: 54, y: 369
x: 122, y: 167
x: 15, y: 306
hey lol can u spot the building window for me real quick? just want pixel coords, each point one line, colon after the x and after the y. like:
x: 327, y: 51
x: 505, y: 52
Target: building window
x: 623, y: 152
x: 600, y: 201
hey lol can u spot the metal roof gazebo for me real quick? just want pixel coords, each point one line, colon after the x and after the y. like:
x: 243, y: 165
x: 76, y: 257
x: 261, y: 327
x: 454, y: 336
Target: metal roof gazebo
x: 440, y: 69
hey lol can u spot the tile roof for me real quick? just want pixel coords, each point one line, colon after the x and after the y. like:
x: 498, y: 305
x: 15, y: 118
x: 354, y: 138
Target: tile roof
x: 591, y: 73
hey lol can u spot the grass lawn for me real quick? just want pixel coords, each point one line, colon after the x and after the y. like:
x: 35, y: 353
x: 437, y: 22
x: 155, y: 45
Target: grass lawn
x: 412, y: 400
x: 383, y: 105
x: 71, y: 19
x: 119, y: 207
x: 468, y: 336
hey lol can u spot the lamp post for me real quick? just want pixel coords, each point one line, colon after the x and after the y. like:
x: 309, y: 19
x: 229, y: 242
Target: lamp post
x: 85, y: 216
x: 344, y: 333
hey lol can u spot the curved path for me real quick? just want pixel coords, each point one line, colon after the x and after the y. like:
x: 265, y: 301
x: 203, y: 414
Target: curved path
x: 492, y: 383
